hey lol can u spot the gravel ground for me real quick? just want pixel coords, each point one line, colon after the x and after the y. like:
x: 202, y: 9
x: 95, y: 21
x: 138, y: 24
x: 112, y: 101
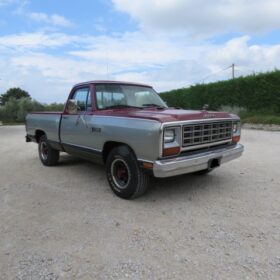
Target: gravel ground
x: 64, y: 222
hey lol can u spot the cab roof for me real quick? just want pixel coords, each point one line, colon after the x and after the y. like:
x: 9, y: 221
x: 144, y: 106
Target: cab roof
x: 110, y: 82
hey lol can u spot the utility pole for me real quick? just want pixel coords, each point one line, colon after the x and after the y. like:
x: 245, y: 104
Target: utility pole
x: 232, y: 67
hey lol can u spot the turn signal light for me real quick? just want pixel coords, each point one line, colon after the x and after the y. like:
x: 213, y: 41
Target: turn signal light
x: 171, y: 151
x: 148, y: 165
x: 236, y: 139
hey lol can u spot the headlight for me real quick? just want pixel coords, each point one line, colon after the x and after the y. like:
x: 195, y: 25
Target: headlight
x: 169, y: 135
x: 236, y: 128
x: 236, y: 131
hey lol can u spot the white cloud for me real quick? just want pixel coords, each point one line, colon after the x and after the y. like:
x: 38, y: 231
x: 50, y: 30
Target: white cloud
x: 246, y: 56
x: 163, y: 53
x: 37, y: 40
x: 207, y: 64
x: 48, y: 78
x: 204, y: 17
x: 161, y: 61
x: 133, y: 50
x: 54, y: 19
x: 19, y: 4
x: 59, y: 69
x: 6, y: 2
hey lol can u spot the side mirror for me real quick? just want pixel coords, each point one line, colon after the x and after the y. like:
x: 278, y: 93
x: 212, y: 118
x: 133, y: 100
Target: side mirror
x: 72, y: 106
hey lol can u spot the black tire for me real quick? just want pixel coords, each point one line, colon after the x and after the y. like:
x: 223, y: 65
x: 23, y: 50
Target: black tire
x: 204, y: 171
x: 126, y: 179
x: 47, y: 154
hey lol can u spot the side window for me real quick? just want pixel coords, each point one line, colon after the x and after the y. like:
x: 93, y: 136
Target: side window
x: 83, y: 99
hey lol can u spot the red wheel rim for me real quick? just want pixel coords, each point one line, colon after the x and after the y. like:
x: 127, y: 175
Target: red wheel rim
x: 120, y: 173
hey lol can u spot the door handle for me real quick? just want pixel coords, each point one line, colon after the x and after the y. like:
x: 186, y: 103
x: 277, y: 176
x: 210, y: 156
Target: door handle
x: 65, y: 117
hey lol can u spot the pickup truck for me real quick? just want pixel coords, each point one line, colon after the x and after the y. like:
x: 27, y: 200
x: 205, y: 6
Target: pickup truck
x: 130, y: 129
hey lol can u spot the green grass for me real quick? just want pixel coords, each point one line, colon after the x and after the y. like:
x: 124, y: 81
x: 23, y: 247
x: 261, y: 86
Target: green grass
x: 261, y: 119
x: 12, y: 123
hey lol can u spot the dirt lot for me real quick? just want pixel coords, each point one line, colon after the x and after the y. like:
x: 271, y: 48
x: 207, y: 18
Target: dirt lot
x: 64, y: 222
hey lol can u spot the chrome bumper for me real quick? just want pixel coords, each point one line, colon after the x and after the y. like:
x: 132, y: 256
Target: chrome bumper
x: 197, y: 162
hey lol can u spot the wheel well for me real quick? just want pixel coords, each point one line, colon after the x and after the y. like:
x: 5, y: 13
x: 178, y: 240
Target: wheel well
x: 39, y: 134
x: 109, y: 146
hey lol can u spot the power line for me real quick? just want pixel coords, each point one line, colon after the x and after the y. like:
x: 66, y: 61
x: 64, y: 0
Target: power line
x: 248, y: 69
x: 233, y: 72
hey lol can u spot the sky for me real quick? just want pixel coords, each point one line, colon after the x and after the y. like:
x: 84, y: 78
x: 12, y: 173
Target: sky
x: 48, y: 46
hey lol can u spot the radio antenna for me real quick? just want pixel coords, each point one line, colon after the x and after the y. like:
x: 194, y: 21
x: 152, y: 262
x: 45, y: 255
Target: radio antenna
x: 107, y: 65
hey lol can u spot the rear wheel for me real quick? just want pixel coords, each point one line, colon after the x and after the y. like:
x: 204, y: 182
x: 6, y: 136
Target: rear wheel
x: 127, y: 180
x: 47, y: 154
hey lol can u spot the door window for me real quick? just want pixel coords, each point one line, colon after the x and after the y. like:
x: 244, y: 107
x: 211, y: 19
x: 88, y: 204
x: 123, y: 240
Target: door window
x: 83, y: 99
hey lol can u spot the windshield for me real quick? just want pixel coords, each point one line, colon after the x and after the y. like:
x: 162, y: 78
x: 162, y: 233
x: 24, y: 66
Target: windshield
x: 126, y: 96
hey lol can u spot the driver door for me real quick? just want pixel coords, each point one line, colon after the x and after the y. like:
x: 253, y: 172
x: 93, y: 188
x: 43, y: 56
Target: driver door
x: 75, y: 131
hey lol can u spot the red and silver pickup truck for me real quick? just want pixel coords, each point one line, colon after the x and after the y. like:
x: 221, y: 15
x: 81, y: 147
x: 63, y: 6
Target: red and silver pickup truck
x: 129, y: 128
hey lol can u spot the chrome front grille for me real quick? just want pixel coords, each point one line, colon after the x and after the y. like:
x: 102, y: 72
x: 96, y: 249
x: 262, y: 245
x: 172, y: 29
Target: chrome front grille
x: 206, y: 133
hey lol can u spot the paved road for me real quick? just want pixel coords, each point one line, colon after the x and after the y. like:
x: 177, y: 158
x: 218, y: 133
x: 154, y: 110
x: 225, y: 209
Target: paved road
x: 64, y: 222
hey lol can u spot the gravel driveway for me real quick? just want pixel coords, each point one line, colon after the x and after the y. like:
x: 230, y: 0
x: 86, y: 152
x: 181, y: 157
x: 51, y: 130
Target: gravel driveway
x: 64, y: 222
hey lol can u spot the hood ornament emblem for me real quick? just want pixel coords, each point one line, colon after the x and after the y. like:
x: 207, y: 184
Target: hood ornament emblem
x: 208, y: 116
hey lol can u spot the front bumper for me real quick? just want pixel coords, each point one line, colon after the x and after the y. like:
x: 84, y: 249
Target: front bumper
x: 197, y: 162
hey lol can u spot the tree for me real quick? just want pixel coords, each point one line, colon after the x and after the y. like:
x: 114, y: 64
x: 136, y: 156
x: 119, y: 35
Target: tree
x: 16, y: 93
x: 16, y: 110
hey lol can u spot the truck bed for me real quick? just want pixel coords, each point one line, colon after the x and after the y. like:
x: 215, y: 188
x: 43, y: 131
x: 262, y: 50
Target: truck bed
x: 48, y: 122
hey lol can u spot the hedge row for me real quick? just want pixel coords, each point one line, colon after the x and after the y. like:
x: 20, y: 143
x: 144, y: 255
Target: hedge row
x: 15, y: 110
x: 260, y: 93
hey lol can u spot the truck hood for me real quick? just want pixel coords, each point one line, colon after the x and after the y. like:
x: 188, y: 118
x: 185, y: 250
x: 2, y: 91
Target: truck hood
x: 166, y: 115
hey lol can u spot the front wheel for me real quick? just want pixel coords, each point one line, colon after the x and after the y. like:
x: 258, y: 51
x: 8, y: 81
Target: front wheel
x: 47, y: 154
x: 126, y: 178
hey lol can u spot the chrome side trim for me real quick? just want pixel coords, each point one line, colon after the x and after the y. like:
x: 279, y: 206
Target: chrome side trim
x: 82, y: 147
x: 197, y: 162
x: 130, y: 118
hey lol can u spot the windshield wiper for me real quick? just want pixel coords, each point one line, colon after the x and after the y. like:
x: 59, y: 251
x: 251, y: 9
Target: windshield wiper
x: 153, y: 105
x: 120, y: 106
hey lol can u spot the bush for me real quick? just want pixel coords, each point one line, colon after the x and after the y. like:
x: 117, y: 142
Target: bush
x: 255, y: 93
x: 16, y: 103
x: 233, y: 109
x: 262, y: 119
x: 15, y: 110
x: 53, y: 107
